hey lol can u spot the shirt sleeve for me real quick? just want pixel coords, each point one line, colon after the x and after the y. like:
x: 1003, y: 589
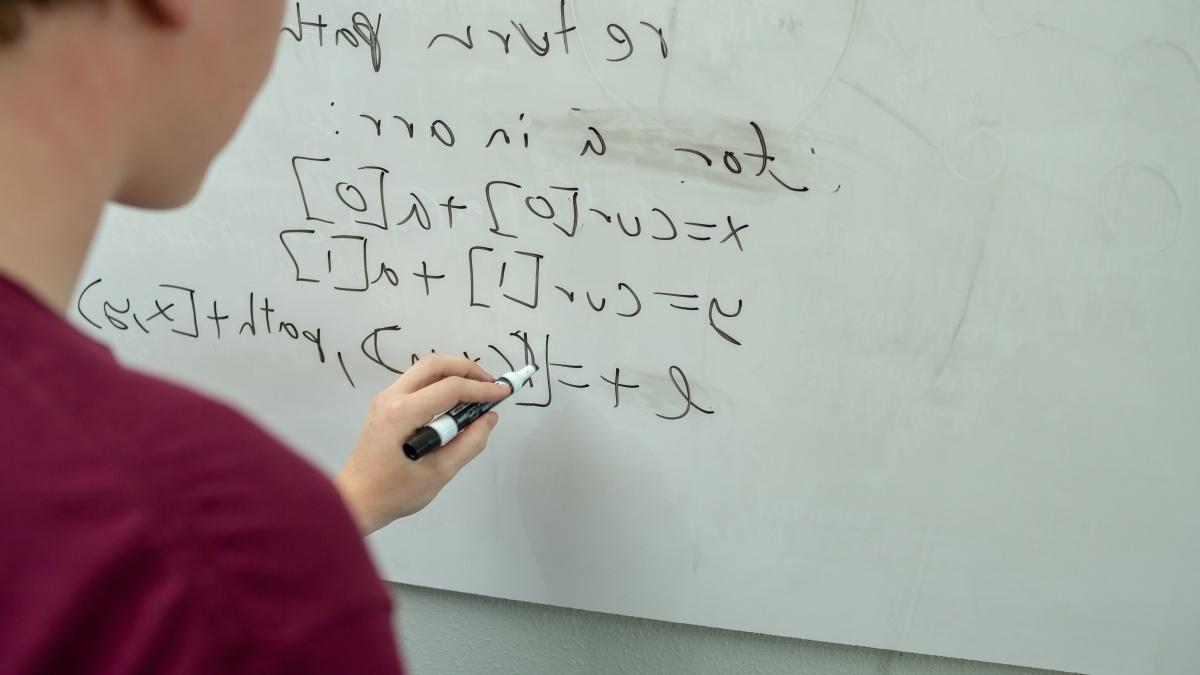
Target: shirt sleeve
x: 275, y: 559
x: 325, y: 651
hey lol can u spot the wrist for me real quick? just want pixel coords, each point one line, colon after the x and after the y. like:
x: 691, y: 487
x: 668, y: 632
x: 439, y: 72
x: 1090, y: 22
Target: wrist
x: 356, y: 504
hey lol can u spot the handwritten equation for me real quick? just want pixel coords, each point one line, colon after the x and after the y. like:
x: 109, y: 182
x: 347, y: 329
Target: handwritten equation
x: 505, y: 246
x: 179, y: 311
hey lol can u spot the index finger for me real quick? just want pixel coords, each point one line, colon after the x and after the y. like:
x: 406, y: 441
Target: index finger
x: 436, y: 367
x: 449, y: 392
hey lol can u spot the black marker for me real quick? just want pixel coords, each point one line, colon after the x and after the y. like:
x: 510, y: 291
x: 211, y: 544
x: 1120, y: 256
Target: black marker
x: 446, y: 426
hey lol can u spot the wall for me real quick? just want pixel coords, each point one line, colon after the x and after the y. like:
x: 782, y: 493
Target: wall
x: 456, y: 634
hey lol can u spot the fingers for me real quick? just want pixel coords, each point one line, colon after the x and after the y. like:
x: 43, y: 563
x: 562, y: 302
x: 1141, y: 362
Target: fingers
x: 466, y: 447
x: 435, y: 367
x: 446, y: 393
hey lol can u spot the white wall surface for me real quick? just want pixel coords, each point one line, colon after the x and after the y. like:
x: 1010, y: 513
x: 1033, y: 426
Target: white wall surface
x: 445, y: 633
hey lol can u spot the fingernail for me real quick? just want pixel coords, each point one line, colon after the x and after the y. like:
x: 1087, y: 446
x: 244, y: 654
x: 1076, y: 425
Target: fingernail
x: 493, y: 420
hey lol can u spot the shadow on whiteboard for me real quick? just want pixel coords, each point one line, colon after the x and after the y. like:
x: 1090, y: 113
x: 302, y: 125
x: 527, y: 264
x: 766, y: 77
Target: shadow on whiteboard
x: 598, y: 517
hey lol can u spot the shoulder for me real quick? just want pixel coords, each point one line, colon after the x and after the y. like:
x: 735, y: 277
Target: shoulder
x: 263, y: 529
x: 113, y: 474
x: 263, y: 537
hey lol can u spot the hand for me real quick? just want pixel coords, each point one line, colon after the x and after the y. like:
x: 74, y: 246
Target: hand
x: 381, y: 484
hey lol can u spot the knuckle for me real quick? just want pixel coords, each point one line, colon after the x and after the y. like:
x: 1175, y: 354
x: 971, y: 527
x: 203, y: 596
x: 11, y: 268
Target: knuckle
x: 473, y: 390
x: 457, y: 363
x: 378, y: 403
x: 387, y: 407
x: 396, y: 410
x: 482, y: 443
x: 445, y: 471
x: 479, y: 439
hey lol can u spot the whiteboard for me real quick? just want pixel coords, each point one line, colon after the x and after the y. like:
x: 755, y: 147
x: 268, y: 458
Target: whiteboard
x: 918, y: 368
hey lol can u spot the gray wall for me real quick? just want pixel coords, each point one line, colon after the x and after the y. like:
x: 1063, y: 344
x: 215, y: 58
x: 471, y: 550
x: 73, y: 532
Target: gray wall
x: 455, y: 634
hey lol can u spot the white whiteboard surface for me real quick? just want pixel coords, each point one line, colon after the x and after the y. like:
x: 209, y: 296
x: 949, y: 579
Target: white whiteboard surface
x: 964, y: 414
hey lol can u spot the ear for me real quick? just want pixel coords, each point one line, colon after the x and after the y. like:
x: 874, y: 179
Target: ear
x: 173, y: 13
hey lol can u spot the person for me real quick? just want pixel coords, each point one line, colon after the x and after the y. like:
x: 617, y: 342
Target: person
x: 144, y: 528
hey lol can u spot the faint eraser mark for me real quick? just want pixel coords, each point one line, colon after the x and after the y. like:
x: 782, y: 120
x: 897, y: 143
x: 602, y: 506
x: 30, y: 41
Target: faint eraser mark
x: 1143, y: 209
x: 1160, y: 84
x: 1010, y: 18
x: 976, y: 156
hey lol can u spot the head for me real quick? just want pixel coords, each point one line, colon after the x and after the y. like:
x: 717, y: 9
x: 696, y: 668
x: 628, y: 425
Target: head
x: 165, y: 82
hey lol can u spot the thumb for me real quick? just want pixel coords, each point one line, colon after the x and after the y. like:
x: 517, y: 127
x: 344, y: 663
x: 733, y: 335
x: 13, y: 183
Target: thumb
x: 466, y: 447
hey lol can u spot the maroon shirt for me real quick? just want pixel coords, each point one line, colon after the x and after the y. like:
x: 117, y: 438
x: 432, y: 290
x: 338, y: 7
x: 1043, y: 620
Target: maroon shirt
x: 145, y: 529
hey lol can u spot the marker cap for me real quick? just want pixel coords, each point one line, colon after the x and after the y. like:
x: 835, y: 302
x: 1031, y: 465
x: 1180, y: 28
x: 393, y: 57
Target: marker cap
x: 521, y: 377
x: 425, y: 441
